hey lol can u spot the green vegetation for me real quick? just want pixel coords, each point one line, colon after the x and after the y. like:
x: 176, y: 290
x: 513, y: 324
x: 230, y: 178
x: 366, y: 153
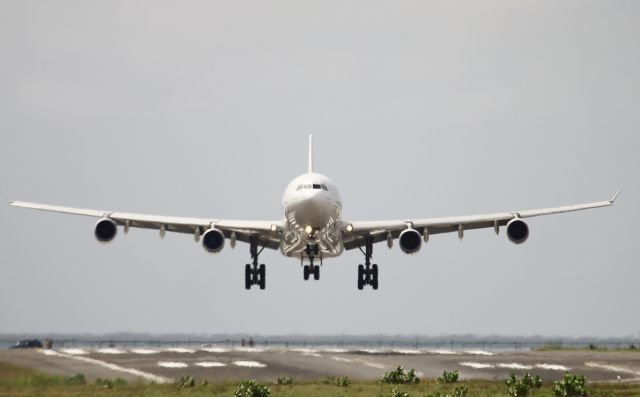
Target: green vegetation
x: 251, y: 388
x: 186, y: 381
x: 398, y: 376
x: 284, y: 380
x: 521, y: 387
x: 570, y: 385
x: 448, y: 377
x: 20, y: 382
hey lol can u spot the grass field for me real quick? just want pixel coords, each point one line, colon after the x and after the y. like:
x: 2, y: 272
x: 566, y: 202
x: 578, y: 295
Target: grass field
x: 16, y: 381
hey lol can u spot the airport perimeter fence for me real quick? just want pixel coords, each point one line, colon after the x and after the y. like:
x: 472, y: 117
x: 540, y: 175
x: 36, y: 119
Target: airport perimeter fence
x: 363, y: 345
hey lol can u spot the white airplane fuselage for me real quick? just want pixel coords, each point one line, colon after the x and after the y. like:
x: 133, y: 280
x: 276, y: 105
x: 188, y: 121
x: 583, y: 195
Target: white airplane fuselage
x: 312, y: 209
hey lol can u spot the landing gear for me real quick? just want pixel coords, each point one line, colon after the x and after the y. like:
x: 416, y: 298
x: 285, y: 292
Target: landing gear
x: 312, y: 251
x: 368, y: 273
x: 254, y: 273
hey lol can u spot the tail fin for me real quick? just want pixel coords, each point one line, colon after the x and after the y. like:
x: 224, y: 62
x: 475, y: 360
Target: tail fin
x: 310, y: 170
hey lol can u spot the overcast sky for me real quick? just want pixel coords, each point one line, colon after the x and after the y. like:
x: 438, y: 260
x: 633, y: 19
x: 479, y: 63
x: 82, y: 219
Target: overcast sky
x: 418, y: 109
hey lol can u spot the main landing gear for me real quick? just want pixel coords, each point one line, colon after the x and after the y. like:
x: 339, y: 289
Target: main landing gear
x: 312, y: 251
x: 368, y: 273
x: 254, y: 273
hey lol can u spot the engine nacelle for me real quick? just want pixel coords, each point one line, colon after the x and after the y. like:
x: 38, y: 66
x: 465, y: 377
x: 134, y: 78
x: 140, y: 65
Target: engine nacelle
x: 517, y: 231
x: 105, y: 230
x: 410, y: 241
x: 213, y: 241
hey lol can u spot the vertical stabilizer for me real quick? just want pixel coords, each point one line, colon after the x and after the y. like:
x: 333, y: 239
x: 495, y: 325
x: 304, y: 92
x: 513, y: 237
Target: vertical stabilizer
x: 310, y: 170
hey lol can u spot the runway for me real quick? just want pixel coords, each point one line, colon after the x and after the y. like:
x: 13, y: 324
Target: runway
x: 221, y: 363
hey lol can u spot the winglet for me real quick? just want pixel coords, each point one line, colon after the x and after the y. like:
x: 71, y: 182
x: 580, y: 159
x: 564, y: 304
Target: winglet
x: 310, y: 168
x: 615, y: 196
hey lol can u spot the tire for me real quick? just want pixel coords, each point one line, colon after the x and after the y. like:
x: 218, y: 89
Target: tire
x: 360, y: 277
x: 374, y: 276
x: 316, y: 272
x: 247, y: 277
x: 262, y: 274
x: 305, y: 272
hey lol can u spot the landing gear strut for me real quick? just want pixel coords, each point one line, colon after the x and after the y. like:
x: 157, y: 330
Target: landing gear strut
x: 254, y: 273
x: 368, y: 273
x: 312, y: 251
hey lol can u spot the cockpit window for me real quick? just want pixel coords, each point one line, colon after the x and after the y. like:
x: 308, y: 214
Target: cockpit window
x: 317, y: 186
x: 324, y: 187
x: 299, y: 187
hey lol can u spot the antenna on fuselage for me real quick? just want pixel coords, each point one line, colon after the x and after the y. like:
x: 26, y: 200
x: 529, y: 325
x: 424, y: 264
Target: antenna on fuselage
x: 310, y: 154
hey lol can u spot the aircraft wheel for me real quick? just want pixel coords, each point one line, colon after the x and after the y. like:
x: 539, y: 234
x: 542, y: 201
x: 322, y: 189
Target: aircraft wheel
x: 316, y: 272
x: 262, y: 274
x: 305, y: 272
x: 374, y: 276
x: 247, y: 277
x: 360, y: 277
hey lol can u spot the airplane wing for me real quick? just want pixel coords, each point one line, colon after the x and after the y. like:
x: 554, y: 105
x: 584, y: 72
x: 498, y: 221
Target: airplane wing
x: 356, y: 233
x: 268, y: 232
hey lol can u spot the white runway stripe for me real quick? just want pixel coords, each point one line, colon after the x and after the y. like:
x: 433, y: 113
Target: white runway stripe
x: 476, y: 365
x: 553, y: 367
x: 145, y: 375
x: 172, y: 364
x: 250, y: 364
x: 210, y: 364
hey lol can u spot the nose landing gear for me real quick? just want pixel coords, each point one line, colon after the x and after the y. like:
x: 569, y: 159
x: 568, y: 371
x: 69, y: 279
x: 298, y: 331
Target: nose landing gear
x: 254, y: 273
x: 368, y: 273
x: 312, y: 251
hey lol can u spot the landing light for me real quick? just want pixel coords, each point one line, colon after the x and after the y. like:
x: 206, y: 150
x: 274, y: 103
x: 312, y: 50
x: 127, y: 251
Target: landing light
x: 349, y: 228
x: 308, y: 229
x: 274, y: 228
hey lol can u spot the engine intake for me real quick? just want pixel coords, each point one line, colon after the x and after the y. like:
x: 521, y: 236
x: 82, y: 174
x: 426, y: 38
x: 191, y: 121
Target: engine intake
x: 517, y: 231
x: 213, y: 241
x: 410, y: 241
x: 106, y: 230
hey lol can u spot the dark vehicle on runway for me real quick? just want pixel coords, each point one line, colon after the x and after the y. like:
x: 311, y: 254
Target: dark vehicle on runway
x: 27, y: 343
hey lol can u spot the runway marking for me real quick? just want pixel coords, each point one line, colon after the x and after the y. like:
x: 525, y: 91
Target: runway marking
x: 479, y: 352
x: 179, y: 350
x: 407, y: 351
x: 514, y: 366
x: 145, y: 375
x: 553, y: 367
x: 172, y: 364
x: 342, y: 359
x: 613, y: 368
x: 307, y: 352
x: 441, y: 351
x: 334, y: 350
x: 250, y: 364
x: 476, y: 365
x: 110, y: 350
x: 74, y: 352
x: 215, y: 350
x: 372, y: 365
x: 249, y: 349
x: 210, y: 364
x: 144, y: 351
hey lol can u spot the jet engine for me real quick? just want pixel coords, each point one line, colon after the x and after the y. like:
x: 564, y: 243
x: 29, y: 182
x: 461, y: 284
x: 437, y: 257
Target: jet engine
x: 213, y: 241
x: 410, y: 241
x: 105, y: 230
x: 517, y: 231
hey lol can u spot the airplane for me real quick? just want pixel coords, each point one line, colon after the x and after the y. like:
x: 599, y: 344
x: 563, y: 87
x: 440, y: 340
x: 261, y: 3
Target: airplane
x: 312, y: 228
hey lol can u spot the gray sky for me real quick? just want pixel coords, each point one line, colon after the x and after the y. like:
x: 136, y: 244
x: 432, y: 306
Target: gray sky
x: 418, y: 109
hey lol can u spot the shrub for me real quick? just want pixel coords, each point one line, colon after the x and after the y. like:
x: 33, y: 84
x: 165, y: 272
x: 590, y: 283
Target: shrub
x: 104, y: 383
x: 251, y: 388
x: 521, y: 387
x: 119, y: 382
x: 570, y: 385
x: 343, y: 381
x: 77, y: 379
x: 284, y: 380
x: 398, y: 376
x: 448, y: 377
x: 460, y: 391
x: 186, y: 381
x: 398, y: 393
